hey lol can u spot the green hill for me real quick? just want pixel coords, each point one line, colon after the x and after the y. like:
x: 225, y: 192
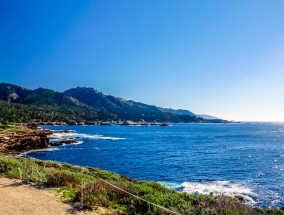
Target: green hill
x: 81, y: 104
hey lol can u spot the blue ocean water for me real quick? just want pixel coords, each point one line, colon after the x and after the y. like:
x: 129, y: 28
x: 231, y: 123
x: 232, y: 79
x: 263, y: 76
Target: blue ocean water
x: 245, y: 159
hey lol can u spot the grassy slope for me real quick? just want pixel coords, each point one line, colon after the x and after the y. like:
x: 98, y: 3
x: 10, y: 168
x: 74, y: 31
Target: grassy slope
x: 82, y: 189
x: 10, y: 128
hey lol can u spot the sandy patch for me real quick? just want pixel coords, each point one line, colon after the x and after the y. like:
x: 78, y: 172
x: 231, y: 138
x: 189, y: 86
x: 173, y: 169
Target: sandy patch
x: 17, y: 198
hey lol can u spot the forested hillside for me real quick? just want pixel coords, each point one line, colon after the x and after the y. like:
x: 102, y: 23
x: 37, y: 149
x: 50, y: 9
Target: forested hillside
x: 19, y: 104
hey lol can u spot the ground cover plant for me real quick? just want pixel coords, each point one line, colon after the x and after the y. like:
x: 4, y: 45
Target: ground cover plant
x: 85, y: 191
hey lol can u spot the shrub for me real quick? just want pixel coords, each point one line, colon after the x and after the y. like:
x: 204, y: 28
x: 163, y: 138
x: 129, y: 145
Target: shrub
x: 57, y: 178
x: 4, y: 167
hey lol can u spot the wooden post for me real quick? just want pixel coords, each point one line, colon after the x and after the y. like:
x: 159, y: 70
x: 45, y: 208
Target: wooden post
x: 82, y: 189
x: 25, y: 170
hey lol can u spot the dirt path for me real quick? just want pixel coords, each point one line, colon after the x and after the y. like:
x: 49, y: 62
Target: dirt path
x: 19, y: 199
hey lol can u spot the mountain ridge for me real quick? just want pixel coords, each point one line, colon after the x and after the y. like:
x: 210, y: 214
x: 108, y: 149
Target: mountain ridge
x: 85, y: 104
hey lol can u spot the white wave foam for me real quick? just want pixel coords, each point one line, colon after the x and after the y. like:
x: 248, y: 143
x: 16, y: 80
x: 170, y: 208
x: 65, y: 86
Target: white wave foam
x: 281, y: 168
x: 49, y: 149
x: 100, y: 137
x: 216, y: 188
x: 63, y: 135
x: 81, y: 135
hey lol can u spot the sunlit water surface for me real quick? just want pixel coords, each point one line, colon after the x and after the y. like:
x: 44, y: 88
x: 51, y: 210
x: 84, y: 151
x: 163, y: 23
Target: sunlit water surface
x: 244, y: 159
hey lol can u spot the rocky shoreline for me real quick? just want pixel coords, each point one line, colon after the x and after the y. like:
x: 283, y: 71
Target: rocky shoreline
x: 105, y: 123
x: 23, y: 139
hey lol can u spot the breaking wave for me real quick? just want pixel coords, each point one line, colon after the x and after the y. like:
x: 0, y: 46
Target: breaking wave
x: 75, y: 135
x: 49, y: 149
x: 216, y: 188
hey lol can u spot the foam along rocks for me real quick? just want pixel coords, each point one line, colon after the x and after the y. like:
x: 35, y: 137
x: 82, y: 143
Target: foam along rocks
x: 227, y: 188
x: 64, y: 135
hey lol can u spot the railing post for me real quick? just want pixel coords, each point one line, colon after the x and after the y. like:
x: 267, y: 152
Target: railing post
x: 82, y: 189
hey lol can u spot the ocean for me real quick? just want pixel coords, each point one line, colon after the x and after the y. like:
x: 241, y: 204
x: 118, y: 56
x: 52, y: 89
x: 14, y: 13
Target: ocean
x: 242, y: 159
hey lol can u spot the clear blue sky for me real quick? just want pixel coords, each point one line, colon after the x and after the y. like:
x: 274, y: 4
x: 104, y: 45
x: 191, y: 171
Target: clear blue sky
x: 224, y: 58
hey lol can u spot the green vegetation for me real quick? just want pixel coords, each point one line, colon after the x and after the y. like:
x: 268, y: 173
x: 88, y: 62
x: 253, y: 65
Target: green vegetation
x: 11, y: 112
x: 86, y: 191
x: 8, y: 127
x: 3, y: 125
x: 18, y: 104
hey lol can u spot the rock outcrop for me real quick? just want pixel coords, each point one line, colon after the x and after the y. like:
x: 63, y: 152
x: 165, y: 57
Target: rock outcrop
x: 17, y: 142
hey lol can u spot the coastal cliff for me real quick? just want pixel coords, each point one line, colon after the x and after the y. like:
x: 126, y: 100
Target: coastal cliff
x: 22, y: 139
